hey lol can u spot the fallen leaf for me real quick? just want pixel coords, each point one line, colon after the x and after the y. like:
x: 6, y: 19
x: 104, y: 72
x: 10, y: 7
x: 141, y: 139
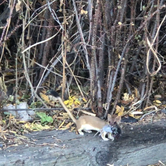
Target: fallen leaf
x: 84, y: 12
x: 45, y: 97
x: 18, y: 5
x: 119, y: 110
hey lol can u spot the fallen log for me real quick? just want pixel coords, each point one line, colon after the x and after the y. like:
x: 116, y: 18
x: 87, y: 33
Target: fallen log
x: 139, y: 145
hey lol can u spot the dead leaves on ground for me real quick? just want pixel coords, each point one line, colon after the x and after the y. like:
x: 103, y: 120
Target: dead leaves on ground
x: 35, y: 126
x: 59, y: 119
x: 130, y: 106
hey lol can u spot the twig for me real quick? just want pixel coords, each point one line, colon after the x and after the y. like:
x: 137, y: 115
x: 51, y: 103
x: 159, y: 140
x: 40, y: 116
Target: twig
x: 55, y: 17
x: 156, y: 109
x: 50, y: 109
x: 155, y: 55
x: 82, y: 36
x: 41, y: 42
x: 26, y: 71
x: 123, y: 53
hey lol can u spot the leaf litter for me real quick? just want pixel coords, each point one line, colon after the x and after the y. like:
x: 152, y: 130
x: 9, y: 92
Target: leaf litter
x: 11, y: 127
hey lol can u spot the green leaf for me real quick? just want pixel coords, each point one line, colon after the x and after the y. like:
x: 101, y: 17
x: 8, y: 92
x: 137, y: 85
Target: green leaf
x: 44, y: 118
x: 49, y: 119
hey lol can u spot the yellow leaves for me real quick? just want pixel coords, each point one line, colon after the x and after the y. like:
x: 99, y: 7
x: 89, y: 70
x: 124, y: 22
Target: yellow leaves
x: 157, y: 99
x: 119, y: 110
x: 45, y: 97
x: 119, y: 23
x: 48, y: 98
x: 127, y: 97
x: 132, y: 24
x: 35, y: 126
x: 157, y: 102
x: 84, y: 12
x: 18, y: 5
x: 72, y: 102
x: 127, y: 101
x: 120, y: 56
x: 84, y: 100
